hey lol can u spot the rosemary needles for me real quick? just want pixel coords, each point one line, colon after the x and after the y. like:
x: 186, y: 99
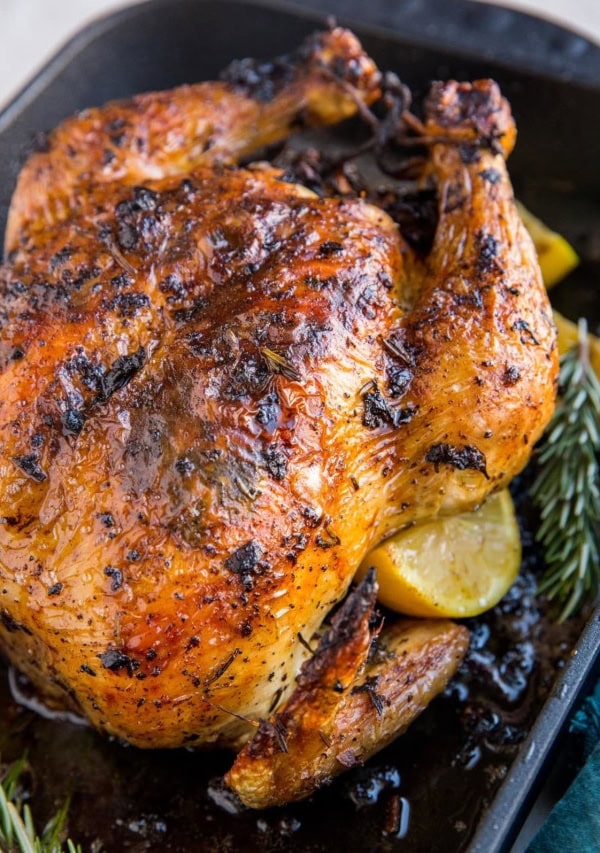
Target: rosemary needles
x: 17, y: 831
x: 567, y: 488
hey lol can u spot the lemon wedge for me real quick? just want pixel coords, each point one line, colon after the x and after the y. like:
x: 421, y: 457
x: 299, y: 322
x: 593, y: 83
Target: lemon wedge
x: 556, y: 256
x: 457, y: 566
x: 568, y: 336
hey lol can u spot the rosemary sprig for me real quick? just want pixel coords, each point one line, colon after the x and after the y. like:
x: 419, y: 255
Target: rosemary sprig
x: 567, y: 487
x: 17, y: 830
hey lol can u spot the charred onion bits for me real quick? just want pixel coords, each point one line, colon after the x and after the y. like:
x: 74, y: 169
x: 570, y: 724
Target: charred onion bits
x: 222, y: 385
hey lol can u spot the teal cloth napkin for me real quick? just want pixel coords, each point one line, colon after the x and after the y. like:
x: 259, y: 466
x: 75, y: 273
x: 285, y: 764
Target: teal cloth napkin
x: 574, y: 823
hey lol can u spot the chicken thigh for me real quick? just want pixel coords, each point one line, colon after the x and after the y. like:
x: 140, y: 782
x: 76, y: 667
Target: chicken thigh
x: 219, y: 391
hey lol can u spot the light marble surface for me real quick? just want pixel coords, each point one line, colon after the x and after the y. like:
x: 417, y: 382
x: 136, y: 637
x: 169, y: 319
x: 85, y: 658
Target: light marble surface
x: 32, y: 30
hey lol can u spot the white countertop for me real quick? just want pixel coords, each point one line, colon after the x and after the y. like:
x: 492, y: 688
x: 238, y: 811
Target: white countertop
x: 32, y: 30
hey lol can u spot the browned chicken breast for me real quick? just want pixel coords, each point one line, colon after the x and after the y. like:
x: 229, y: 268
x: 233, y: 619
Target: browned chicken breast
x: 218, y: 391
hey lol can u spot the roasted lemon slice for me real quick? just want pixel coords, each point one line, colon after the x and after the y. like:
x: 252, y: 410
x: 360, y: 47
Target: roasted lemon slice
x: 568, y: 336
x: 557, y: 258
x: 457, y: 566
x: 555, y: 255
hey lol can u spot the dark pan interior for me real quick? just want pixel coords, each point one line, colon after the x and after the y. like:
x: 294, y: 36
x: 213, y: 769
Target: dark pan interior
x: 440, y: 777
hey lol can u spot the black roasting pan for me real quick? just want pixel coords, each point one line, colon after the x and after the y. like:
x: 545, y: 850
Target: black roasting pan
x: 465, y: 775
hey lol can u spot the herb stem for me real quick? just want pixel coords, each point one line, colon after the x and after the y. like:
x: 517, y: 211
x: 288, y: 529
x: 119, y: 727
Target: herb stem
x: 17, y: 829
x: 567, y: 488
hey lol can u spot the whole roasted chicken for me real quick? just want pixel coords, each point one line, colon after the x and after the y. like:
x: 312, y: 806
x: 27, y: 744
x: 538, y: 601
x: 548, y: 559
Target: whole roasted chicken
x: 220, y: 389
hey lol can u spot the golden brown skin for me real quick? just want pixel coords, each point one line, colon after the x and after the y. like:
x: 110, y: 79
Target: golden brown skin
x: 162, y: 134
x: 218, y: 392
x: 348, y: 704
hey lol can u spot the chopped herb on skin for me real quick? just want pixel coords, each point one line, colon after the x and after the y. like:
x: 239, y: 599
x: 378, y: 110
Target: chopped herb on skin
x: 222, y: 668
x: 245, y: 563
x: 460, y: 458
x: 377, y: 412
x: 115, y: 660
x: 278, y: 364
x: 116, y: 577
x: 327, y: 538
x: 30, y: 465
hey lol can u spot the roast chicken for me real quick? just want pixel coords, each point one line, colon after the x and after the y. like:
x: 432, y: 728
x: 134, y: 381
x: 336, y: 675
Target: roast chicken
x: 219, y: 389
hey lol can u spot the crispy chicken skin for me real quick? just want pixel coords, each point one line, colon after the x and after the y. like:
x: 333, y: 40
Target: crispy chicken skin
x: 163, y: 134
x: 219, y: 391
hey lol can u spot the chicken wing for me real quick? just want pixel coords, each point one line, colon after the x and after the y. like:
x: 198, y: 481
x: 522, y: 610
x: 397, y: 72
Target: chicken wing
x: 163, y: 134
